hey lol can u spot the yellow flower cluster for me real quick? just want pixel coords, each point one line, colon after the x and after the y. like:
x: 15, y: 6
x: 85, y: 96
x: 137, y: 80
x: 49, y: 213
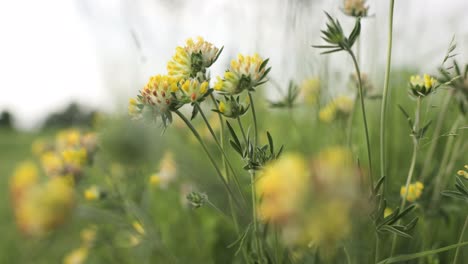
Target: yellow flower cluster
x: 422, y: 86
x: 185, y: 82
x: 80, y: 255
x: 463, y: 173
x: 245, y: 73
x: 356, y: 8
x: 341, y: 106
x: 71, y: 152
x: 310, y: 202
x: 193, y: 59
x: 92, y: 193
x: 40, y: 205
x: 413, y: 193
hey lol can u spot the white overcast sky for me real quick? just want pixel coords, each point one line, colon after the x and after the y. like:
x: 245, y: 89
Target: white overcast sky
x: 56, y: 51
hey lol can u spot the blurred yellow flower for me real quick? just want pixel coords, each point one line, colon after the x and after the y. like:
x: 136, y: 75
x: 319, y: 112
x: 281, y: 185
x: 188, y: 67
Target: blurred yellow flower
x: 356, y: 8
x: 68, y: 138
x: 25, y: 176
x: 52, y: 163
x: 138, y: 227
x: 463, y: 172
x: 193, y: 59
x: 414, y: 191
x: 155, y: 179
x: 46, y: 206
x: 244, y: 74
x: 88, y: 236
x: 310, y: 89
x: 77, y: 256
x: 92, y: 193
x: 341, y: 106
x: 282, y: 186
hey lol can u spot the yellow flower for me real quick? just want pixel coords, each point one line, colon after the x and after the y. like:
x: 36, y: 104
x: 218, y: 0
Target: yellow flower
x: 138, y: 227
x: 422, y: 86
x: 46, y: 206
x: 309, y: 90
x: 244, y: 73
x: 463, y: 172
x: 157, y: 94
x: 155, y: 179
x: 222, y: 107
x: 327, y: 114
x: 133, y: 109
x: 282, y: 187
x: 75, y: 158
x: 92, y: 193
x: 52, y: 163
x: 25, y: 176
x: 77, y: 256
x: 414, y: 191
x: 356, y: 8
x: 69, y: 138
x: 88, y: 236
x: 193, y: 59
x: 340, y: 106
x: 194, y: 90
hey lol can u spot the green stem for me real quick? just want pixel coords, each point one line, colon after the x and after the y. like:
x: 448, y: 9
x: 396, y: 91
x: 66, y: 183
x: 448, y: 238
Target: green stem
x: 363, y: 108
x: 221, y: 149
x: 252, y: 183
x: 412, y: 166
x: 210, y: 157
x: 383, y: 109
x: 455, y: 258
x: 377, y: 245
x: 242, y: 130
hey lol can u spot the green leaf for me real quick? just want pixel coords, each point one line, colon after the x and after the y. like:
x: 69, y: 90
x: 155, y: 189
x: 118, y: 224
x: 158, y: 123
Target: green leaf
x: 355, y: 33
x: 410, y: 122
x: 395, y: 231
x: 233, y: 134
x: 270, y: 142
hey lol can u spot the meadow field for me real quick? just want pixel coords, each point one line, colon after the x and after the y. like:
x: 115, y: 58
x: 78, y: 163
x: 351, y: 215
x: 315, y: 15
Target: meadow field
x: 213, y: 169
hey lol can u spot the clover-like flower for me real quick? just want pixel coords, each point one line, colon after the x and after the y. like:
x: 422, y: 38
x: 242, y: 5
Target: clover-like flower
x: 463, y: 173
x: 231, y: 107
x: 421, y: 87
x: 413, y: 193
x: 340, y: 107
x: 159, y: 96
x: 193, y: 59
x: 194, y: 90
x: 245, y: 73
x: 355, y: 8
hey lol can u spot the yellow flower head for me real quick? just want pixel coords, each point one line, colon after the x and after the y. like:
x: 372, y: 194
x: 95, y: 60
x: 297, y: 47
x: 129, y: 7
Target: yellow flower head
x: 52, y: 163
x: 282, y: 187
x: 75, y: 158
x: 388, y: 211
x: 68, y: 138
x: 155, y: 179
x: 356, y: 8
x: 92, y: 193
x: 77, y: 256
x: 193, y: 59
x: 413, y: 193
x: 327, y: 114
x: 26, y: 175
x: 340, y: 106
x: 193, y: 89
x: 463, y: 173
x: 310, y: 89
x: 46, y: 206
x: 422, y: 86
x: 244, y: 73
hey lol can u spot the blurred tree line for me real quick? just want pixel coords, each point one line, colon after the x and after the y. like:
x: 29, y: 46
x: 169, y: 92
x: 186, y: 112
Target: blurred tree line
x: 73, y: 115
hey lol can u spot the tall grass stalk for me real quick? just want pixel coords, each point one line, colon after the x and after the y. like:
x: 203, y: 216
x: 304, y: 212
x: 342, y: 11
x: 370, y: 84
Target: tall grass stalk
x: 460, y: 240
x: 383, y: 109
